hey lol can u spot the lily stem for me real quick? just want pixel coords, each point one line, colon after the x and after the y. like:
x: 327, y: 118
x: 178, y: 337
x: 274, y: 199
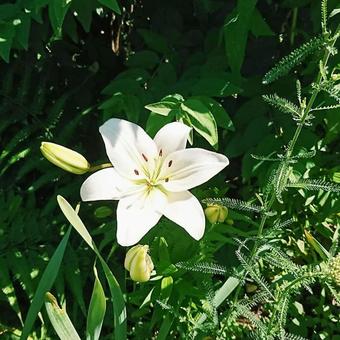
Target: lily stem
x: 100, y: 166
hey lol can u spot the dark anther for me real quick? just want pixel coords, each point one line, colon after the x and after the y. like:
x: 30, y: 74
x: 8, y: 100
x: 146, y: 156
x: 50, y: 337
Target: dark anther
x: 170, y: 163
x: 160, y: 152
x: 167, y: 180
x: 136, y: 172
x: 145, y: 158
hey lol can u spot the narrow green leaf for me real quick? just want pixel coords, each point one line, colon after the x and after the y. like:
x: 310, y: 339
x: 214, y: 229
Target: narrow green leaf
x: 165, y: 327
x: 319, y: 248
x: 221, y: 294
x: 120, y: 317
x: 75, y: 220
x: 112, y: 4
x: 59, y: 319
x: 166, y: 288
x: 96, y: 311
x: 202, y: 120
x: 119, y: 309
x: 45, y: 285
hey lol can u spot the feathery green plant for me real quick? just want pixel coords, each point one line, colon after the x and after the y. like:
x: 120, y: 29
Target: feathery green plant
x: 265, y: 249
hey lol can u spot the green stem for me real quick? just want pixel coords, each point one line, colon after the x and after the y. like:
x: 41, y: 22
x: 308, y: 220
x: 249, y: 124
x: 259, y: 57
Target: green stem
x: 286, y: 289
x: 100, y: 166
x: 289, y: 152
x: 293, y: 27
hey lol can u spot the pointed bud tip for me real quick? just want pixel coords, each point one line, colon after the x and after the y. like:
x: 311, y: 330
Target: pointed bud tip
x: 65, y: 158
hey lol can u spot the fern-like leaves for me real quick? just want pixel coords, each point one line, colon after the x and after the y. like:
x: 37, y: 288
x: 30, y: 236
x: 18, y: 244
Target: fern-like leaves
x: 315, y: 184
x: 233, y: 203
x: 293, y: 59
x: 283, y: 104
x: 203, y: 267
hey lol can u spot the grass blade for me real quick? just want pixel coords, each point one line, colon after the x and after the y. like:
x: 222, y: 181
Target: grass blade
x: 45, y: 285
x: 96, y: 311
x: 119, y: 309
x: 59, y: 319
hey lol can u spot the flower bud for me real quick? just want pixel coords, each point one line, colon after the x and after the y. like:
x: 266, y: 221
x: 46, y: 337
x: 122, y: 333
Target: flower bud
x: 65, y: 158
x: 334, y: 269
x: 216, y: 213
x: 138, y: 262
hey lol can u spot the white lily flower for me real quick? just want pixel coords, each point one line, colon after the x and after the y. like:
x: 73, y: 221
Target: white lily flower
x: 151, y: 178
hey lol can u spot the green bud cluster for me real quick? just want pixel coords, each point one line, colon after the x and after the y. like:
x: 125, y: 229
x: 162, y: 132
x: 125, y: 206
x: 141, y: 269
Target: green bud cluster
x: 334, y: 269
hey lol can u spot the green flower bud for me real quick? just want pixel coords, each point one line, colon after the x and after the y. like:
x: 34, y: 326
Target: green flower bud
x: 65, y: 158
x: 334, y: 269
x: 138, y: 262
x: 216, y: 213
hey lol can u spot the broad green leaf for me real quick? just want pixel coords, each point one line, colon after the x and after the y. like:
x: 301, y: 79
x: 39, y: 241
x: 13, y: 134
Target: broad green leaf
x: 45, y: 285
x: 96, y: 311
x: 8, y: 11
x: 156, y: 121
x: 145, y: 59
x: 258, y: 25
x: 222, y: 118
x: 103, y: 212
x: 167, y: 104
x: 59, y: 319
x: 236, y: 33
x: 202, y: 120
x: 7, y: 32
x: 112, y: 4
x: 162, y: 108
x: 154, y: 41
x: 119, y: 309
x: 132, y: 107
x: 84, y: 10
x: 215, y: 86
x: 23, y: 30
x: 57, y: 10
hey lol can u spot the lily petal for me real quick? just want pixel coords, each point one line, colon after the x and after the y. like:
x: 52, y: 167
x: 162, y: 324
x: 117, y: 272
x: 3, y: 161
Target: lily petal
x: 134, y: 222
x: 172, y: 137
x: 129, y: 148
x: 186, y: 169
x: 104, y: 184
x: 184, y: 209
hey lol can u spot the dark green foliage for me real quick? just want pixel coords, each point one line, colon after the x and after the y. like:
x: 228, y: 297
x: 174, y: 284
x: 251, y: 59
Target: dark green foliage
x: 68, y: 66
